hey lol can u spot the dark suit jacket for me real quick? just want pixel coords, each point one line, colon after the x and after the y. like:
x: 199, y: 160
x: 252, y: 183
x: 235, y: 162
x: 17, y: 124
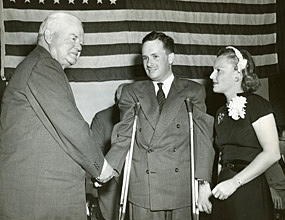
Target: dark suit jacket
x: 275, y: 175
x: 109, y: 194
x: 45, y: 144
x: 103, y: 123
x: 160, y: 175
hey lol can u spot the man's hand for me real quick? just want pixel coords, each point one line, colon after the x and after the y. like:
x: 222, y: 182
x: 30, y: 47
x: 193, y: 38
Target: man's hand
x: 277, y: 200
x: 106, y: 174
x: 205, y: 193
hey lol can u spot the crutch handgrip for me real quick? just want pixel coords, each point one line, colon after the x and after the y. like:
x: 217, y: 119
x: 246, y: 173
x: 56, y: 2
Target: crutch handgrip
x: 189, y: 105
x: 137, y: 108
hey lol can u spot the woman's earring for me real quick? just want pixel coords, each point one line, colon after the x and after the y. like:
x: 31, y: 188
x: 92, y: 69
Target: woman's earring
x: 236, y: 79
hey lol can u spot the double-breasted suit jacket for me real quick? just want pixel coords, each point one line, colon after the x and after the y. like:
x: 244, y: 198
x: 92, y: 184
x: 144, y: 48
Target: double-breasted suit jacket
x: 45, y: 144
x: 160, y: 173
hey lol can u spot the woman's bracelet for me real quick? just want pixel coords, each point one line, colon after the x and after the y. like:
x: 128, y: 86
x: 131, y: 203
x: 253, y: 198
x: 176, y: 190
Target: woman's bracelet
x: 239, y: 181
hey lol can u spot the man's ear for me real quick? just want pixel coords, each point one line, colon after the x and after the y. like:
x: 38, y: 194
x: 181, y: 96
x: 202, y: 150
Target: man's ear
x: 48, y: 36
x: 171, y: 58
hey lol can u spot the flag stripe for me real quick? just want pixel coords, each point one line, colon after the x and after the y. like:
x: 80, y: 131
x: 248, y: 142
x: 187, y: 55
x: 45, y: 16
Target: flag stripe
x: 137, y: 72
x: 234, y: 6
x: 151, y: 15
x: 135, y: 59
x: 103, y: 50
x: 107, y: 27
x: 113, y: 34
x: 135, y: 37
x: 234, y: 1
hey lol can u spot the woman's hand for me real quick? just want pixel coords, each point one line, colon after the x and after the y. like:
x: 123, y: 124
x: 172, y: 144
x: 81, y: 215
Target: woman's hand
x: 226, y: 188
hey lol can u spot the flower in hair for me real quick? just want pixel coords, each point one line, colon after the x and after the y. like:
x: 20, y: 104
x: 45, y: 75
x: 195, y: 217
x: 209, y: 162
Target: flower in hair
x: 236, y: 107
x: 241, y: 61
x: 241, y: 65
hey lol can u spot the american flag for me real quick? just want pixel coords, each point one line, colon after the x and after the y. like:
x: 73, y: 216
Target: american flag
x: 114, y: 30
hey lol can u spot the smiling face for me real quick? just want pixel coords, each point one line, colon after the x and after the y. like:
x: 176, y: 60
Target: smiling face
x: 156, y: 60
x: 224, y: 75
x: 66, y: 41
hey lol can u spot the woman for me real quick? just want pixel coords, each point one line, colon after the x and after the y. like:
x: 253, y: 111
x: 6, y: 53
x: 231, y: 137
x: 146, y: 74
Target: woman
x: 247, y: 139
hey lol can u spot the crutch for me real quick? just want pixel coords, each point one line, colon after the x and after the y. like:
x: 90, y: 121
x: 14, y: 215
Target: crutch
x: 194, y: 184
x: 127, y: 168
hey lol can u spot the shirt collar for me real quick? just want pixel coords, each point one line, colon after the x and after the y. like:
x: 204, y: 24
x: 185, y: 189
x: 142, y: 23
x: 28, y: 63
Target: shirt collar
x: 166, y: 85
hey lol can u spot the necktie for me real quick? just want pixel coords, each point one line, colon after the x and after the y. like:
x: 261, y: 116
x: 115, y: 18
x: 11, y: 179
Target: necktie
x: 160, y: 96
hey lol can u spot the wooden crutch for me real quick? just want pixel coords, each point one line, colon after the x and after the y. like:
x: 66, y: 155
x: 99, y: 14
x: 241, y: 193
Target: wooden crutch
x: 194, y: 183
x: 127, y: 168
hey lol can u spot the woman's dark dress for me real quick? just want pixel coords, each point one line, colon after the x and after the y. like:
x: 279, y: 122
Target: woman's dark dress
x: 236, y: 140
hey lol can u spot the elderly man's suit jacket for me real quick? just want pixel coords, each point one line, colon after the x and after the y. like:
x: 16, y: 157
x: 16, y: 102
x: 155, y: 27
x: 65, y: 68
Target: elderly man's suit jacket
x: 45, y: 144
x: 160, y: 175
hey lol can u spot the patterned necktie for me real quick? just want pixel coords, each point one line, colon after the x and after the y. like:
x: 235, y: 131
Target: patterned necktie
x: 160, y: 96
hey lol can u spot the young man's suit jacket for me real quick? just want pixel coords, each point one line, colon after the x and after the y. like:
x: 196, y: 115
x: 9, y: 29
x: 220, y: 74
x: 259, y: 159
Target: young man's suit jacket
x: 45, y: 144
x: 160, y: 173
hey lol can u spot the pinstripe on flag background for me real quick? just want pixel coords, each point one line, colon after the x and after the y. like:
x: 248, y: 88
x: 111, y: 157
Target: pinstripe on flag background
x: 114, y: 30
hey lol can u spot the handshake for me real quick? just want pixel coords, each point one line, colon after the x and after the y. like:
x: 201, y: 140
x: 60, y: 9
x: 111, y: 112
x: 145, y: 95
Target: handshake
x: 107, y: 174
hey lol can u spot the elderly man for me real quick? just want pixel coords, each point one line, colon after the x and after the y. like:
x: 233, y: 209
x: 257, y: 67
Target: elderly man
x: 45, y: 144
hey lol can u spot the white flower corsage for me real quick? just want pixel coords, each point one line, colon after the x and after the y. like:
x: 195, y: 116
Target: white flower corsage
x: 236, y: 107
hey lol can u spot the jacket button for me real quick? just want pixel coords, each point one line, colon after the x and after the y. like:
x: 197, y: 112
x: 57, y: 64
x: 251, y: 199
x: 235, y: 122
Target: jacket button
x: 178, y: 126
x: 140, y: 129
x: 147, y: 171
x: 174, y: 149
x: 176, y: 170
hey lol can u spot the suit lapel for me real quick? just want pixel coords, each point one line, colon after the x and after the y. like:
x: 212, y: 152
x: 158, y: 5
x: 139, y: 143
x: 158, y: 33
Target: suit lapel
x: 172, y: 105
x: 147, y: 98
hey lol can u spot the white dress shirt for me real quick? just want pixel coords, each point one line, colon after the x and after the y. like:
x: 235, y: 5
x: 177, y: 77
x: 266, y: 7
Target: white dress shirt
x: 166, y: 85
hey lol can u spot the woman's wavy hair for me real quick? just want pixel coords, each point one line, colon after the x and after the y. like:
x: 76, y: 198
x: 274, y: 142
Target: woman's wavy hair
x: 250, y: 80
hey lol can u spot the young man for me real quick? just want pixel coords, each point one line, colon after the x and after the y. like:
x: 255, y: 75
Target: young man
x: 160, y: 174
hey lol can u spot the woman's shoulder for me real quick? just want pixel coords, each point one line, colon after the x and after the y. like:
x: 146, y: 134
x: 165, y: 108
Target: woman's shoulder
x: 255, y: 102
x: 252, y: 97
x: 257, y: 106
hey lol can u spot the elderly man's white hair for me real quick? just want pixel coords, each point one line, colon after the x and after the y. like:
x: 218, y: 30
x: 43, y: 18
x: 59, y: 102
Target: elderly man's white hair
x: 52, y: 22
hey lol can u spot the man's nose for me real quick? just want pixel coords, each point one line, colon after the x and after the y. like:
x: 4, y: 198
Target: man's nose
x: 149, y: 62
x: 78, y: 46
